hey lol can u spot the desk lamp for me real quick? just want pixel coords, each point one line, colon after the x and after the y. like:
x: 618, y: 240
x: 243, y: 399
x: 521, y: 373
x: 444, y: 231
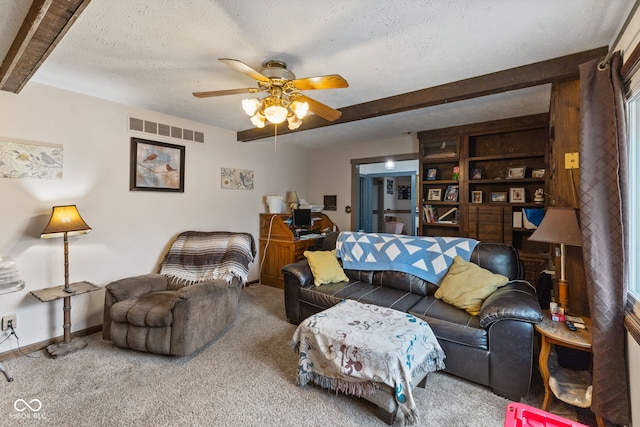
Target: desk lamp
x: 292, y: 200
x: 559, y: 226
x: 65, y: 221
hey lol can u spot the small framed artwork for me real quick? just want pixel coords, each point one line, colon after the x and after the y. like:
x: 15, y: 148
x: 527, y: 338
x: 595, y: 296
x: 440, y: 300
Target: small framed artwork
x: 498, y: 196
x: 432, y: 174
x: 434, y: 194
x: 156, y: 166
x: 516, y: 172
x: 389, y: 186
x: 537, y: 173
x: 476, y: 173
x: 516, y: 195
x: 452, y: 193
x: 476, y: 197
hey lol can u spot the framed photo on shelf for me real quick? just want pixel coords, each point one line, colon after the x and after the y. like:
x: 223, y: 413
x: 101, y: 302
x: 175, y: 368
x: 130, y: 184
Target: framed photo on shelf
x: 498, y: 196
x: 432, y: 174
x: 516, y: 195
x: 476, y: 197
x: 452, y: 193
x: 434, y: 194
x: 537, y: 173
x: 476, y: 173
x: 516, y: 172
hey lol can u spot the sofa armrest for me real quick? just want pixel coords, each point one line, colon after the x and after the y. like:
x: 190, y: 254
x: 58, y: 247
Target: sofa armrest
x: 296, y: 276
x: 515, y: 301
x: 300, y: 271
x: 127, y: 288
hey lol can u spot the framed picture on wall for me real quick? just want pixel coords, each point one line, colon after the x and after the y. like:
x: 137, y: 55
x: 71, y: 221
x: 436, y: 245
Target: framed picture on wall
x: 389, y: 186
x: 156, y: 166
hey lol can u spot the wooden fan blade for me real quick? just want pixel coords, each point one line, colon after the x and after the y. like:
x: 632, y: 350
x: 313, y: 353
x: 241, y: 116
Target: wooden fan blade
x: 245, y: 69
x: 320, y: 109
x: 332, y: 81
x: 225, y: 92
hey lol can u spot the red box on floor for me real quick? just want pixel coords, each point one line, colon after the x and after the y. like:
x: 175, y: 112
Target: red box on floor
x: 521, y: 415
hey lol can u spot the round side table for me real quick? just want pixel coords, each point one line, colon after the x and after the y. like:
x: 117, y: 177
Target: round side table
x: 557, y: 333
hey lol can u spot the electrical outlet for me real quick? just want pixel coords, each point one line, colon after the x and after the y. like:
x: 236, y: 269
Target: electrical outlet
x: 12, y: 318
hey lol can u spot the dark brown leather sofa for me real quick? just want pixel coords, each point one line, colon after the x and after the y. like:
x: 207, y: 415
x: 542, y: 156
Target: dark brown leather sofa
x: 494, y: 348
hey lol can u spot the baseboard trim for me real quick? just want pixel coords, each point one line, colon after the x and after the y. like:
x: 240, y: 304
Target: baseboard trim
x: 12, y: 354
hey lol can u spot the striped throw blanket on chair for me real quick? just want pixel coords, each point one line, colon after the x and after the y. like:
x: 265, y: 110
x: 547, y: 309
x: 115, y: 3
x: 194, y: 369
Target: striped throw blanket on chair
x: 196, y: 256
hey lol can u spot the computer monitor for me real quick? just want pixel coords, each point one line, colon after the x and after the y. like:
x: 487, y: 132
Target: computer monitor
x: 302, y: 218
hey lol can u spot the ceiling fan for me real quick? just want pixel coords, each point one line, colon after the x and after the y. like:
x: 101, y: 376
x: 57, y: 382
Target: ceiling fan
x: 284, y: 100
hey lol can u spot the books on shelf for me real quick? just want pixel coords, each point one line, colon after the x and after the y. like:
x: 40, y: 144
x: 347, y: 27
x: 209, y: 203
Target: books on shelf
x: 449, y: 217
x: 430, y: 215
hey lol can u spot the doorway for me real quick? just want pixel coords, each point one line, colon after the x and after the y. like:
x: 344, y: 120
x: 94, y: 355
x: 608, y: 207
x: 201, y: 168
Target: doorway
x: 384, y: 196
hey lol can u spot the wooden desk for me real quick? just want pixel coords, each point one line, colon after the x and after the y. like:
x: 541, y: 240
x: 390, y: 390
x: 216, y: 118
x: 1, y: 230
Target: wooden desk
x: 557, y: 333
x: 282, y: 247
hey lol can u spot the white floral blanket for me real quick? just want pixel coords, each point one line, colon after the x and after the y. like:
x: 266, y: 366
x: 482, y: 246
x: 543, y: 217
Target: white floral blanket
x: 353, y: 347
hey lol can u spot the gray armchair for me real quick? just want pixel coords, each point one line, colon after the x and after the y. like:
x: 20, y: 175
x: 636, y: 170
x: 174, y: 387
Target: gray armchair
x: 192, y: 301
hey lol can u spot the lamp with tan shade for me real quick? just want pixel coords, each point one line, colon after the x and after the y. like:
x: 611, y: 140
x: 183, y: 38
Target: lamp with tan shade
x: 559, y: 226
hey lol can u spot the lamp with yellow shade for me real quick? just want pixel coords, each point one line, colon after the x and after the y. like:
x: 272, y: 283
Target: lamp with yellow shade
x: 65, y: 221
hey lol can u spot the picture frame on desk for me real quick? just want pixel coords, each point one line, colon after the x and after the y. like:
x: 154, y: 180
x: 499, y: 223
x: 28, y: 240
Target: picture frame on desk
x: 432, y: 174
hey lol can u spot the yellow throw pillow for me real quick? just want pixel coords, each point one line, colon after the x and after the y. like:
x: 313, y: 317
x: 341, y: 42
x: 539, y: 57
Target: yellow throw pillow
x: 325, y: 267
x: 466, y: 285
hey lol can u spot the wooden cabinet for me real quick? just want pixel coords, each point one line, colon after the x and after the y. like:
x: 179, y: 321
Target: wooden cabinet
x: 500, y: 166
x: 279, y: 246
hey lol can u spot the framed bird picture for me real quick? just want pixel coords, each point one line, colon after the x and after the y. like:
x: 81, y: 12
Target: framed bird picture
x: 236, y: 179
x: 156, y: 166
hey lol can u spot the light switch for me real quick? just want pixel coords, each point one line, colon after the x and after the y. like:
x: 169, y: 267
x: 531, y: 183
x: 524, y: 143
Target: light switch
x: 571, y: 161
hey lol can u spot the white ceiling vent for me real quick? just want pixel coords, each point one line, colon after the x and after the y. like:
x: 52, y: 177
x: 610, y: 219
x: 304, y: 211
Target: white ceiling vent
x: 146, y: 126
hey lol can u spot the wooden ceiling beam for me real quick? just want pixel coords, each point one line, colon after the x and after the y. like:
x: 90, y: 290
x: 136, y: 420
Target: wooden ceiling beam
x: 553, y: 70
x: 42, y: 29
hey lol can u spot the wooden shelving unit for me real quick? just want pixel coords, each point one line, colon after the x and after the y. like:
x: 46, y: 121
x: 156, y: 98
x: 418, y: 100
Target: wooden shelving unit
x: 488, y: 200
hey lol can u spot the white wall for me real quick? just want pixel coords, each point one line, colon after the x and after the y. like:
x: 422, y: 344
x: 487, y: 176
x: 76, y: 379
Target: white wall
x: 131, y: 230
x: 330, y: 171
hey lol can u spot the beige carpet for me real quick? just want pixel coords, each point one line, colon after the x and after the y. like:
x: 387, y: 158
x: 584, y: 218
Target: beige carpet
x: 245, y: 378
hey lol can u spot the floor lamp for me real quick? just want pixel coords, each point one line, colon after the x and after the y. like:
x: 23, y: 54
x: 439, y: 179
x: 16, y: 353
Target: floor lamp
x: 65, y: 221
x: 560, y: 226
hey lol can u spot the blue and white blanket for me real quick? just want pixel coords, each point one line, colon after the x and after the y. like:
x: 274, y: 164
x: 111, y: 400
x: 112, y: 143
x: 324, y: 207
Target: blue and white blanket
x: 426, y: 257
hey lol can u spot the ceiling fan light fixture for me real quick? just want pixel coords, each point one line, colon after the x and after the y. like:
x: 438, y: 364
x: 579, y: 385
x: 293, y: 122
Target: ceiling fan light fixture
x: 294, y: 122
x: 276, y: 113
x: 258, y: 120
x: 250, y: 106
x: 300, y: 109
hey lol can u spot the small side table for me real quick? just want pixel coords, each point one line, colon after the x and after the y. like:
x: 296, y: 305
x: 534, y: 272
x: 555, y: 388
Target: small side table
x: 51, y: 294
x: 557, y: 333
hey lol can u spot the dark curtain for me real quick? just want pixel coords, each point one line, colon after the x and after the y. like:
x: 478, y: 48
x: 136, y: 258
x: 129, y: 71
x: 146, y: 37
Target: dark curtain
x: 603, y: 192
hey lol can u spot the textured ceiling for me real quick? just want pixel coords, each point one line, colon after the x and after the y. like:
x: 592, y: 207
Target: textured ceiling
x: 155, y: 53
